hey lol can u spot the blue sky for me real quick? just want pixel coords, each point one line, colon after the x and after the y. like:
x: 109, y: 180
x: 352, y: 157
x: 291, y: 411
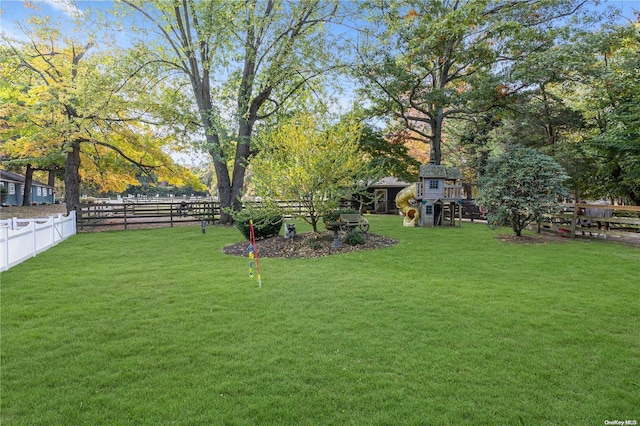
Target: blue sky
x: 13, y: 12
x: 18, y: 10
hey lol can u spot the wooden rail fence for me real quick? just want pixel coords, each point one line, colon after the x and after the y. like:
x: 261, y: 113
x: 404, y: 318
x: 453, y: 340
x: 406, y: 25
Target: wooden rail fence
x: 126, y: 215
x: 580, y: 220
x: 93, y: 217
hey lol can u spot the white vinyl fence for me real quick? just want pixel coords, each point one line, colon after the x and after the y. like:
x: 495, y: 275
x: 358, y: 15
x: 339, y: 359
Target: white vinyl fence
x: 21, y: 239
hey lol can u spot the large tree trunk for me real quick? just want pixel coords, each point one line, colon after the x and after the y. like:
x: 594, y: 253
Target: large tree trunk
x: 230, y: 192
x: 201, y: 89
x: 224, y: 188
x: 222, y: 172
x: 72, y: 178
x: 51, y: 181
x: 28, y: 179
x: 435, y: 154
x: 247, y: 113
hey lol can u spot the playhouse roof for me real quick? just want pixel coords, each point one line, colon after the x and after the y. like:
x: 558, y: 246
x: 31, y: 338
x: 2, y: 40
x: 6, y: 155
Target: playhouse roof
x: 439, y: 171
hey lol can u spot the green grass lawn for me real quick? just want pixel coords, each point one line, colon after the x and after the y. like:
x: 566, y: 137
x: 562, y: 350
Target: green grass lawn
x: 450, y: 326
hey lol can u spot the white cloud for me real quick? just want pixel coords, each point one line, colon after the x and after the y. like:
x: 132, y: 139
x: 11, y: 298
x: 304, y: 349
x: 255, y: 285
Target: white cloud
x: 65, y: 6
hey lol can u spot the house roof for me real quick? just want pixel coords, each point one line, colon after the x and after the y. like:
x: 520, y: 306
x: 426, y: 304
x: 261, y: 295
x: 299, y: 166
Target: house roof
x: 6, y: 176
x: 439, y: 171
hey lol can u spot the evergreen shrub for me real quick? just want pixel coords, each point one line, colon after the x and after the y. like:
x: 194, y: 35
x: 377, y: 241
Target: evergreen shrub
x: 267, y: 222
x: 354, y: 237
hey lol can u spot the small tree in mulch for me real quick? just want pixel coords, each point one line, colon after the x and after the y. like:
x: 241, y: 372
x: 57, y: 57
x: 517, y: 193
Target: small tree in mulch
x: 519, y: 186
x: 311, y: 162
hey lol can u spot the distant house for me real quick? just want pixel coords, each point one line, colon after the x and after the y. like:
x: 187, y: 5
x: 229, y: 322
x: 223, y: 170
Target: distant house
x: 41, y: 193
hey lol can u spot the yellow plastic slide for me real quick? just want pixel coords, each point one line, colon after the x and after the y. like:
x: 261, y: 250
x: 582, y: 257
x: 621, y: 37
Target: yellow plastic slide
x: 410, y: 212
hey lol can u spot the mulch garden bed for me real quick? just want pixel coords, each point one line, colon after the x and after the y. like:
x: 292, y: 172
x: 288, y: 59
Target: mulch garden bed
x: 307, y: 245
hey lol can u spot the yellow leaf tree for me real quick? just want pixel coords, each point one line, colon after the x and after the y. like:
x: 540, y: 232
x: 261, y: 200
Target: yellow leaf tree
x: 315, y: 165
x: 84, y: 109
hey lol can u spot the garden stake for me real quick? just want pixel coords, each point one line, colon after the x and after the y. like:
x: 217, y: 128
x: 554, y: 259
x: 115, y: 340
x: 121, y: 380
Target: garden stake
x: 254, y: 252
x: 251, y: 257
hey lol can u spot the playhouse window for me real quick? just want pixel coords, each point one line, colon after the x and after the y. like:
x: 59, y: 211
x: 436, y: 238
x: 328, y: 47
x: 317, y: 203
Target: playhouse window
x: 434, y: 184
x: 428, y: 210
x: 39, y: 192
x: 12, y: 188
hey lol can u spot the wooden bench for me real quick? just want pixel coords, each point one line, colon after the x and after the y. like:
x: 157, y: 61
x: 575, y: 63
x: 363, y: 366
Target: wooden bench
x: 350, y: 221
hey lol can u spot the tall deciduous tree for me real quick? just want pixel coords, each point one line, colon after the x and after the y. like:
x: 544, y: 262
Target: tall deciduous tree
x: 243, y: 60
x: 313, y: 164
x: 71, y: 106
x: 431, y: 61
x: 33, y: 153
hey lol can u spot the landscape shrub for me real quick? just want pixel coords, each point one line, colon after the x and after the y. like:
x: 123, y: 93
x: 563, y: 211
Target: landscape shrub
x: 314, y: 244
x: 354, y: 237
x: 267, y: 222
x: 518, y: 187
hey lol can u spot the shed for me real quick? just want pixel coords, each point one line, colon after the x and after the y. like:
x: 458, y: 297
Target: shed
x: 382, y: 195
x: 41, y: 193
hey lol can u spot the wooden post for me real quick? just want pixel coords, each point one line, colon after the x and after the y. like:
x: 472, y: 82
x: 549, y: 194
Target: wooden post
x: 453, y: 214
x: 79, y: 217
x: 125, y: 216
x: 574, y: 221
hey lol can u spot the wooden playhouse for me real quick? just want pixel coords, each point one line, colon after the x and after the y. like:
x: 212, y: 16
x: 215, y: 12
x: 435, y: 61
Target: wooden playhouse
x: 435, y: 200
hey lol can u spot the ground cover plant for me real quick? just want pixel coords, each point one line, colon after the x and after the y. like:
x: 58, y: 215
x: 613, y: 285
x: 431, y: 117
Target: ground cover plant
x: 450, y: 325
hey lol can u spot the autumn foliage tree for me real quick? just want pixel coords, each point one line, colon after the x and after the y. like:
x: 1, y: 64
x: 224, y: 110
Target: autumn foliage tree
x: 69, y: 104
x: 426, y: 62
